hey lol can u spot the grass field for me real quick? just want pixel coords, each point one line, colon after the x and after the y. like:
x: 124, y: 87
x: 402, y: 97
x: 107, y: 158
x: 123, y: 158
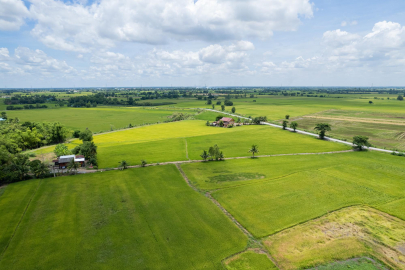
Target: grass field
x: 348, y: 233
x: 357, y: 264
x: 135, y: 219
x: 270, y: 194
x: 249, y: 260
x: 96, y: 119
x: 385, y: 130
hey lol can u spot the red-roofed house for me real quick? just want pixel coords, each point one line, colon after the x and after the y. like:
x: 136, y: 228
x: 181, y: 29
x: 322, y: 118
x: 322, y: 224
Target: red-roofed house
x: 227, y: 121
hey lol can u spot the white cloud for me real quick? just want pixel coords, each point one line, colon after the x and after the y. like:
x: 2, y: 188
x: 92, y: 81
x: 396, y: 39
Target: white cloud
x: 75, y: 27
x: 4, y: 54
x: 30, y: 61
x: 12, y: 14
x: 344, y: 23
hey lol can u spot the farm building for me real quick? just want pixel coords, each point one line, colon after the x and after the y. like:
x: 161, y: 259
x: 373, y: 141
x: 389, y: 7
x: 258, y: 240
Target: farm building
x: 226, y: 120
x: 63, y: 161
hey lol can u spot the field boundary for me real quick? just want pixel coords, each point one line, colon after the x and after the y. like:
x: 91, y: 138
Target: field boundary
x: 196, y: 161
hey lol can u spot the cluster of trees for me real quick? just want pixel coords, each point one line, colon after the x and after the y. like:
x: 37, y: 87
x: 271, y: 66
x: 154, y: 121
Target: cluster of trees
x: 88, y: 148
x: 18, y: 167
x: 16, y: 137
x: 26, y: 107
x: 104, y: 99
x: 32, y: 99
x: 213, y: 153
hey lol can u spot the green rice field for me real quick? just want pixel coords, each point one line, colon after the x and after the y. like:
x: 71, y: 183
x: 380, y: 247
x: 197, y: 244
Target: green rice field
x: 135, y: 219
x: 270, y: 194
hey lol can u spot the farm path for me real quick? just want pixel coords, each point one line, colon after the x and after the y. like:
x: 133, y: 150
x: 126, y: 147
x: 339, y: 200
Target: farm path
x: 252, y: 240
x: 82, y: 171
x: 304, y: 132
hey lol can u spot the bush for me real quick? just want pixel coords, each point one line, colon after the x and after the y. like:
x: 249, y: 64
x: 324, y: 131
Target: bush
x: 228, y: 103
x: 76, y: 134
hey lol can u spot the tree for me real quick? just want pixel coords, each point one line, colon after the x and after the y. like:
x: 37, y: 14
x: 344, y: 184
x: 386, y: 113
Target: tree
x: 124, y: 165
x: 213, y: 106
x: 205, y: 155
x: 221, y: 156
x: 208, y: 123
x: 287, y: 116
x: 400, y: 97
x: 254, y: 150
x: 38, y: 168
x: 61, y: 150
x: 228, y: 103
x: 322, y: 128
x: 214, y: 153
x: 4, y: 115
x: 370, y: 102
x: 76, y: 134
x: 20, y: 166
x: 73, y: 166
x: 221, y: 123
x: 360, y: 142
x: 143, y: 163
x: 218, y: 117
x: 294, y: 125
x: 88, y: 150
x: 285, y: 123
x: 223, y: 107
x: 233, y: 109
x: 58, y: 133
x: 218, y: 102
x: 259, y: 119
x: 86, y: 136
x: 209, y: 102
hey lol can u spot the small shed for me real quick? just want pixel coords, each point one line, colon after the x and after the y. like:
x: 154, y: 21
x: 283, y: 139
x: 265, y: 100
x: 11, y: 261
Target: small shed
x: 63, y: 161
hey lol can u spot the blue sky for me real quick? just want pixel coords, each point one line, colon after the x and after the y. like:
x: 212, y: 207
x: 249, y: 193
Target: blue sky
x: 47, y: 43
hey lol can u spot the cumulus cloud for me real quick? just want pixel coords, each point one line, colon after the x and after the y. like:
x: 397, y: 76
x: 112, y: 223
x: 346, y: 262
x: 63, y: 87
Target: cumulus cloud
x: 215, y: 58
x: 27, y: 61
x: 4, y: 54
x: 77, y: 27
x: 12, y: 14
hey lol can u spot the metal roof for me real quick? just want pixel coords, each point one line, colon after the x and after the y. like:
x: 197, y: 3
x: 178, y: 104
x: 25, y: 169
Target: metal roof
x: 66, y: 159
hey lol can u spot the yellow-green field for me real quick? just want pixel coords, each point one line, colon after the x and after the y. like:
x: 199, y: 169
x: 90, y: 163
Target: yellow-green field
x: 185, y: 140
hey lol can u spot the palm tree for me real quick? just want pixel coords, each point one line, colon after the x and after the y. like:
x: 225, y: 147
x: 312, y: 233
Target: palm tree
x: 205, y: 155
x: 294, y: 125
x: 253, y: 150
x: 322, y: 128
x: 73, y: 166
x: 124, y: 165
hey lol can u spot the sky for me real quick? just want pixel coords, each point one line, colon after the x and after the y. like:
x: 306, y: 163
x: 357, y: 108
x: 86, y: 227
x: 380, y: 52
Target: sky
x: 132, y: 43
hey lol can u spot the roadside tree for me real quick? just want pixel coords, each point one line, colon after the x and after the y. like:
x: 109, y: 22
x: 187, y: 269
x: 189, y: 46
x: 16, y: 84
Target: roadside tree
x: 294, y: 125
x: 360, y: 142
x: 285, y: 123
x: 322, y: 128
